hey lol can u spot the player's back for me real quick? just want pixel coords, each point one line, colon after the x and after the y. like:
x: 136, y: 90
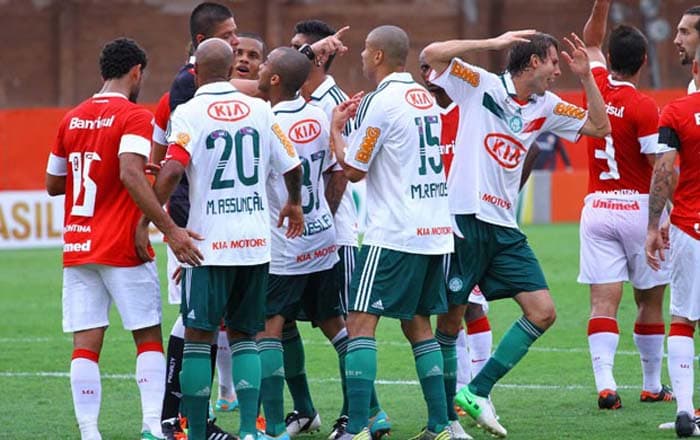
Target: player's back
x: 618, y: 162
x: 100, y: 216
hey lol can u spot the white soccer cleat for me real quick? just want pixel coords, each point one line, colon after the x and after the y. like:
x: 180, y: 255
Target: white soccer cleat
x: 481, y: 410
x: 298, y: 423
x: 457, y: 432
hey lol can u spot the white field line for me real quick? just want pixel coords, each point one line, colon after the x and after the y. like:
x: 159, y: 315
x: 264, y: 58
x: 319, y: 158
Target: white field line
x: 516, y: 386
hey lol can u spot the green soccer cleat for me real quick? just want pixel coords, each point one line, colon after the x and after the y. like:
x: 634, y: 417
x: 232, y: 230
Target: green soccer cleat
x: 147, y: 435
x: 481, y: 410
x: 379, y: 425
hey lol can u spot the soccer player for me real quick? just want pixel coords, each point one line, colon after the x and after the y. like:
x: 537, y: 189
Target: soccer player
x: 98, y: 161
x: 502, y: 116
x: 227, y: 143
x: 249, y: 55
x: 688, y: 39
x: 322, y: 91
x: 679, y: 135
x: 399, y: 273
x: 613, y: 217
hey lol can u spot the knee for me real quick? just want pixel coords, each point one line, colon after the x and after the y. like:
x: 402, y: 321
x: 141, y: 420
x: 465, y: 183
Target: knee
x: 450, y: 323
x: 543, y: 317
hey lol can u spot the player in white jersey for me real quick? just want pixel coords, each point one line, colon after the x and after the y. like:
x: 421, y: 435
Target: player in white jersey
x: 688, y: 39
x: 322, y: 91
x: 227, y: 144
x: 395, y: 144
x: 500, y: 118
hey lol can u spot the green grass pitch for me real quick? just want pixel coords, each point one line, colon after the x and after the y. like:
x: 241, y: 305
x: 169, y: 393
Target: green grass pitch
x: 549, y: 395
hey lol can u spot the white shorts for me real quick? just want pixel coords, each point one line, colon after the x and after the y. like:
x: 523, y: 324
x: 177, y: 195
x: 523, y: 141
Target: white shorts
x: 475, y: 296
x: 174, y: 291
x: 612, y: 236
x: 89, y: 289
x: 685, y: 275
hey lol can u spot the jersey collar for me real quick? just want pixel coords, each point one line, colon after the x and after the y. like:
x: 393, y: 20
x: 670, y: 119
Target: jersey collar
x: 617, y: 83
x: 216, y: 88
x: 109, y: 95
x: 323, y: 88
x: 396, y: 76
x: 291, y: 106
x: 509, y: 85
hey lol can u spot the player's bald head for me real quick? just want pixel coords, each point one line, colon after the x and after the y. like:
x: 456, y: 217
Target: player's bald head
x: 214, y: 60
x: 292, y: 67
x: 392, y: 41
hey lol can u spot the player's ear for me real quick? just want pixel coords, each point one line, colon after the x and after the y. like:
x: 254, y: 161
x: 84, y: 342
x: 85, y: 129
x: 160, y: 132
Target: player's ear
x: 230, y: 72
x: 696, y: 67
x: 275, y: 79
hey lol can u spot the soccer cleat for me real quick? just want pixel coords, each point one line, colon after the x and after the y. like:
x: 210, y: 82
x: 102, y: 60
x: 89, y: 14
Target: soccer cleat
x: 339, y: 427
x: 362, y: 435
x: 686, y: 425
x: 147, y: 435
x: 481, y: 410
x: 458, y: 432
x: 215, y: 433
x: 173, y: 429
x: 460, y: 412
x: 672, y: 425
x: 260, y: 423
x: 665, y: 395
x: 298, y: 423
x: 266, y: 436
x: 609, y: 399
x: 379, y: 425
x: 226, y: 405
x: 445, y: 434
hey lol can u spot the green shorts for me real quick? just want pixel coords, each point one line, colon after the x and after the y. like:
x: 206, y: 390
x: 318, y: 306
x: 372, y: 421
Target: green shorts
x: 497, y: 258
x: 343, y: 272
x: 309, y: 297
x: 236, y: 293
x: 397, y: 284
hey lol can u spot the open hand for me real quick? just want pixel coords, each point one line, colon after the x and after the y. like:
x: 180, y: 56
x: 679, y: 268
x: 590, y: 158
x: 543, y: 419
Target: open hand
x: 577, y: 56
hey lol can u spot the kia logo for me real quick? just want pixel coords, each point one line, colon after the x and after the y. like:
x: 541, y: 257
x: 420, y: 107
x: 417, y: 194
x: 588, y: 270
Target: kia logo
x: 507, y: 151
x: 419, y: 98
x: 228, y: 110
x: 305, y: 131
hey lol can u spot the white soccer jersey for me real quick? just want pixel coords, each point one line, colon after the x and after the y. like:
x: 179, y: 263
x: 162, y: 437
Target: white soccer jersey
x: 498, y: 130
x: 327, y: 96
x: 307, y: 128
x: 233, y: 143
x: 396, y: 140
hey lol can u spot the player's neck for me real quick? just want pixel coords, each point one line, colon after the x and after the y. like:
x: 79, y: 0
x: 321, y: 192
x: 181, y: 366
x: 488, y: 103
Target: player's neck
x: 116, y: 86
x: 214, y: 79
x: 383, y: 71
x: 633, y: 79
x: 278, y: 95
x: 313, y: 81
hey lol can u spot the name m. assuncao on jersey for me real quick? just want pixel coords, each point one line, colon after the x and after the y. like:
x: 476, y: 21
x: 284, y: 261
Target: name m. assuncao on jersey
x: 234, y: 205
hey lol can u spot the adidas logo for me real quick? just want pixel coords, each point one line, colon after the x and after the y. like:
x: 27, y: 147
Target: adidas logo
x: 279, y: 372
x: 378, y: 305
x: 203, y: 392
x: 191, y: 314
x: 435, y: 371
x: 243, y: 385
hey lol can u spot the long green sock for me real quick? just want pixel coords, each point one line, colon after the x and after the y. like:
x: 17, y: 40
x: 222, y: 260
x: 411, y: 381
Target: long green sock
x: 245, y: 362
x: 272, y: 385
x: 195, y: 381
x: 429, y: 363
x: 360, y: 373
x: 448, y: 346
x: 514, y: 345
x: 340, y: 343
x: 295, y: 373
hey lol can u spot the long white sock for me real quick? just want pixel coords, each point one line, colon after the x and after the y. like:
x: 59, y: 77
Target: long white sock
x: 223, y: 368
x: 480, y: 341
x: 603, y: 336
x: 150, y: 377
x: 87, y: 392
x: 681, y: 354
x: 463, y: 367
x: 649, y: 339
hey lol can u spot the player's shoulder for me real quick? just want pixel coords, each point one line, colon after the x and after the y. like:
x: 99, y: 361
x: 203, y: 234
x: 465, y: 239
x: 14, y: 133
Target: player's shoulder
x: 682, y: 105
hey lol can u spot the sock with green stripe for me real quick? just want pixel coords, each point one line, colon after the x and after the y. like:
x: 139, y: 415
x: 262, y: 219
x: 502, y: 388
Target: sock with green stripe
x: 360, y: 372
x: 448, y: 346
x: 295, y: 372
x: 272, y: 385
x: 429, y: 363
x: 514, y: 345
x: 340, y: 343
x: 195, y: 381
x: 245, y: 362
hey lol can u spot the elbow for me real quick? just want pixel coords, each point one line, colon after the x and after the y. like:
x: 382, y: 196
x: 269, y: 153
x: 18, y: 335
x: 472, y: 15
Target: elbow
x: 429, y: 53
x: 605, y: 128
x: 54, y: 191
x: 354, y: 175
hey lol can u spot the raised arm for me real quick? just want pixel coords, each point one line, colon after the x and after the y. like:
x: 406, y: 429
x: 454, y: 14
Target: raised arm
x: 439, y: 54
x: 594, y: 30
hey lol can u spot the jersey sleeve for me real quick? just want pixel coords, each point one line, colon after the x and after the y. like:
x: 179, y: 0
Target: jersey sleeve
x: 668, y: 136
x: 565, y: 119
x: 647, y: 122
x: 160, y: 123
x: 367, y: 138
x: 183, y: 89
x: 179, y: 140
x: 283, y: 155
x: 138, y: 129
x: 58, y: 162
x: 461, y: 80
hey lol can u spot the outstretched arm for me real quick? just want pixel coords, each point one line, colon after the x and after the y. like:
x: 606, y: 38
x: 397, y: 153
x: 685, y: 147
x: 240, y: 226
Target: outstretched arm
x: 594, y: 30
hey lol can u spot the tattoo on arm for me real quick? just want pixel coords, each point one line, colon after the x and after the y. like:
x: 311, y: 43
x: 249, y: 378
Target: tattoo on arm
x: 661, y: 187
x: 292, y: 180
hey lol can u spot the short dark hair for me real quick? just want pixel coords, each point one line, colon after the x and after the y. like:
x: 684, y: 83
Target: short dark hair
x: 627, y: 48
x: 253, y: 36
x: 119, y: 56
x: 695, y: 10
x: 316, y: 30
x: 205, y: 17
x: 292, y: 67
x: 520, y: 54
